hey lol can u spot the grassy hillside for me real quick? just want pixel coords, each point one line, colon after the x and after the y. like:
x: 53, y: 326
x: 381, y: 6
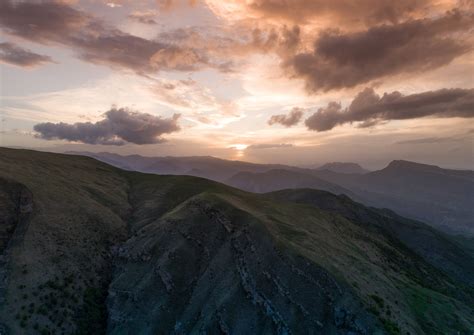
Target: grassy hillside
x: 90, y: 249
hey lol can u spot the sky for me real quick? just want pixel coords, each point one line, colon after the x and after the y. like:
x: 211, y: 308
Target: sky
x: 300, y: 82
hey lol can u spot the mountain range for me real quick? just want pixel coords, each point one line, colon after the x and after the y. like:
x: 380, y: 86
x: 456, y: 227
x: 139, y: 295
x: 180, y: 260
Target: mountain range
x: 199, y: 166
x: 440, y: 197
x: 87, y: 248
x: 347, y: 168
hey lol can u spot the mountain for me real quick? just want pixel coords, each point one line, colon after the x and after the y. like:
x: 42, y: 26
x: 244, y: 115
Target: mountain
x: 199, y: 166
x: 347, y: 168
x: 426, y: 242
x: 440, y: 197
x: 428, y: 193
x: 281, y: 179
x: 87, y: 248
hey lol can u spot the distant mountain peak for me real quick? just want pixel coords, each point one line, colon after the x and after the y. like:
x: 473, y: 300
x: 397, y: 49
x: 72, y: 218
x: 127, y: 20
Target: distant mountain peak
x: 409, y: 165
x: 343, y: 167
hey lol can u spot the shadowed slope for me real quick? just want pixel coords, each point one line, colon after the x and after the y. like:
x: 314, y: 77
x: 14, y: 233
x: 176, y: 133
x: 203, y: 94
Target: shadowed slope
x: 218, y: 269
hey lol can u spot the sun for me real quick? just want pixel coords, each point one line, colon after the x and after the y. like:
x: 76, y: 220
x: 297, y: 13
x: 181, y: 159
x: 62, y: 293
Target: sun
x: 239, y: 147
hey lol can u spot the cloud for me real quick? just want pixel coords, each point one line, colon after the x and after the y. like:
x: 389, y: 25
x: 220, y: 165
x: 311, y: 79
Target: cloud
x: 119, y: 127
x: 93, y: 40
x: 113, y: 5
x: 11, y: 53
x: 369, y: 108
x: 340, y: 12
x: 269, y: 146
x: 173, y: 4
x: 342, y: 60
x: 371, y: 11
x: 430, y: 140
x: 288, y: 120
x: 196, y: 101
x: 335, y: 60
x: 234, y: 43
x: 143, y: 17
x: 438, y: 140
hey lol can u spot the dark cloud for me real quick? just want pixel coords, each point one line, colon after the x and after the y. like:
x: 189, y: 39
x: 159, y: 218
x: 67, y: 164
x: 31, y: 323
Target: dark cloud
x: 430, y: 140
x: 346, y: 60
x: 341, y: 11
x: 143, y: 17
x: 369, y: 108
x: 44, y: 21
x: 288, y: 120
x: 438, y: 140
x: 346, y: 10
x: 52, y: 22
x: 13, y: 54
x: 269, y: 146
x: 283, y: 41
x: 119, y: 127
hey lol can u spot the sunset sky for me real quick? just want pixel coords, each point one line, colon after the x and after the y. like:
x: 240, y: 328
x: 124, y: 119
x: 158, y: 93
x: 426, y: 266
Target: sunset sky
x: 289, y: 81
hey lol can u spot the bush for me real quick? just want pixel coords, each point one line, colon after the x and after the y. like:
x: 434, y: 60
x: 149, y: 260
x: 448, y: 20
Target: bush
x: 378, y: 300
x: 391, y: 327
x: 92, y: 318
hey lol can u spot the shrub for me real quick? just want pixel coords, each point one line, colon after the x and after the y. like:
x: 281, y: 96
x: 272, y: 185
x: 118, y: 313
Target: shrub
x: 391, y: 327
x: 378, y: 300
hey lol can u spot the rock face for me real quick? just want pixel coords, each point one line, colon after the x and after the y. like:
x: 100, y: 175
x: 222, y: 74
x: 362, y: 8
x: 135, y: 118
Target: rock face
x: 210, y: 268
x: 91, y: 249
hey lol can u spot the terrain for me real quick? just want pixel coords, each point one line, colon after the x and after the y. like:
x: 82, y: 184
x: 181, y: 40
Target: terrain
x: 429, y: 193
x: 199, y: 166
x: 87, y: 248
x: 281, y: 179
x: 437, y: 196
x: 346, y: 168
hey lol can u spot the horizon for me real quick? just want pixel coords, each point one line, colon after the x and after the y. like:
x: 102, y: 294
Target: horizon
x: 308, y: 166
x: 271, y: 82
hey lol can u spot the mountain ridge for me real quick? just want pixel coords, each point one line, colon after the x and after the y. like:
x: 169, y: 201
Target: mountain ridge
x: 414, y: 166
x: 282, y: 179
x: 394, y: 162
x: 408, y: 188
x: 343, y: 167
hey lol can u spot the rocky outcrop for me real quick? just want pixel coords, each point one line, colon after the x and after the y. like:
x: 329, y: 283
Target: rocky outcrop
x: 207, y: 267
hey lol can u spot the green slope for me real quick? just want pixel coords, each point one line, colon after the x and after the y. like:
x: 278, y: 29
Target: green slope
x: 90, y: 249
